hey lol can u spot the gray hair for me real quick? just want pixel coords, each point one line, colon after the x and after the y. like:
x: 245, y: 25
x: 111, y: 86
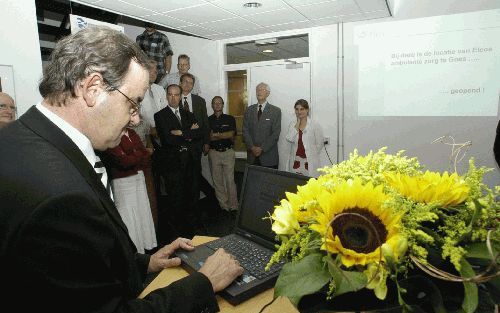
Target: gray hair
x: 268, y: 89
x: 94, y: 49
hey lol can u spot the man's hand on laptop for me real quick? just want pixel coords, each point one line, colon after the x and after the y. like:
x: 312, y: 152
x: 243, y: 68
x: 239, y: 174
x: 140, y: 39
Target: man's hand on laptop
x: 161, y: 259
x: 221, y: 268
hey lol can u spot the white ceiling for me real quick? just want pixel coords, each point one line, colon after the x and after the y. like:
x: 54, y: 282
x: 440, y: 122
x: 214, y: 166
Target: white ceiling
x: 220, y: 19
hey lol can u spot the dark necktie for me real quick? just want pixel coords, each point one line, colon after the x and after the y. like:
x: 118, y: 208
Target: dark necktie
x: 259, y: 112
x: 103, y: 176
x: 177, y: 115
x: 186, y: 105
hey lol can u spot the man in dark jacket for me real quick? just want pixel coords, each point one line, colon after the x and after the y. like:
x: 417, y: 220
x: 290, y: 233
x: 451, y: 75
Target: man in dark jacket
x: 64, y: 247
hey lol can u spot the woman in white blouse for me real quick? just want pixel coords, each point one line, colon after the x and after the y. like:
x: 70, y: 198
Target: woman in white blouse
x: 306, y: 141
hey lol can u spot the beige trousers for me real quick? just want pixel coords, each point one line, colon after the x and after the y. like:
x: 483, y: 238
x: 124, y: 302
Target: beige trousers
x: 222, y: 169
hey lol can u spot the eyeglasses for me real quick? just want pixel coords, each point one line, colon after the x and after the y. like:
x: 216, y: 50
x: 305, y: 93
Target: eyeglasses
x: 135, y: 106
x: 4, y: 106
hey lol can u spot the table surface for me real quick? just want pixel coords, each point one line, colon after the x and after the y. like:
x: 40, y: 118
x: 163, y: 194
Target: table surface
x: 253, y: 305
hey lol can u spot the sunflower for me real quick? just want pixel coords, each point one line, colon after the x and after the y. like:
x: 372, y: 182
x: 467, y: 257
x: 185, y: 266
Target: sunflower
x: 354, y: 225
x: 305, y: 202
x: 447, y: 190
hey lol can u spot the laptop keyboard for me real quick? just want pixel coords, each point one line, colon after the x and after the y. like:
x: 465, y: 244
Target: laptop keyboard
x: 251, y: 257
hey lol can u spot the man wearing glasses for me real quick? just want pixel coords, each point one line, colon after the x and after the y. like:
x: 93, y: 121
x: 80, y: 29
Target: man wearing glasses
x: 64, y: 246
x: 7, y: 109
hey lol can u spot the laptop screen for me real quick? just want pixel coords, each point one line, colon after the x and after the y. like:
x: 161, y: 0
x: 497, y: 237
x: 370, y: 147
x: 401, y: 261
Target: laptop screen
x: 262, y: 189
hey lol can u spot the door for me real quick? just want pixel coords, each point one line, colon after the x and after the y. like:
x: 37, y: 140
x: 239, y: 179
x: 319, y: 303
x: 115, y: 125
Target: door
x: 287, y: 86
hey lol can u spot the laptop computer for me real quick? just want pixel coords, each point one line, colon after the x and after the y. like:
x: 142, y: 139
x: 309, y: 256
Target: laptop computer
x: 253, y: 242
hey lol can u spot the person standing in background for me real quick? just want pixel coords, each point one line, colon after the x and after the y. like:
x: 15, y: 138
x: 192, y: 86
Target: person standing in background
x: 154, y: 100
x: 177, y: 129
x: 126, y: 163
x: 142, y: 129
x: 157, y: 46
x: 306, y: 141
x: 195, y: 104
x: 221, y: 155
x: 183, y: 65
x: 7, y: 109
x: 261, y: 130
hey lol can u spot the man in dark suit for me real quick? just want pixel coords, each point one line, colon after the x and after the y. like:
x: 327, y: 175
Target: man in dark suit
x: 179, y: 133
x: 261, y: 130
x: 197, y: 105
x: 64, y: 247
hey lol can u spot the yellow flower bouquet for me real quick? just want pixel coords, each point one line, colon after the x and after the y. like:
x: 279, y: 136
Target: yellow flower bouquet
x: 375, y: 222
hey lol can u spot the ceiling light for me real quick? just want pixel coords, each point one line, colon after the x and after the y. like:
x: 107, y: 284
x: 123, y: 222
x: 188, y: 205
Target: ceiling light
x: 253, y: 5
x: 267, y: 51
x: 266, y: 41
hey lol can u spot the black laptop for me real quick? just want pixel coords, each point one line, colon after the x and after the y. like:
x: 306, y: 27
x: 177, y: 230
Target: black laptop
x: 253, y: 242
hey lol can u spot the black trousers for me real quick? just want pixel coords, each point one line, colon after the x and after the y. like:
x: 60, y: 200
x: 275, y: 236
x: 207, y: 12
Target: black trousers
x: 176, y: 215
x: 200, y: 183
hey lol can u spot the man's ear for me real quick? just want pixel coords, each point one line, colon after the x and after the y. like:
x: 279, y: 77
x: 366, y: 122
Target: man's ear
x: 91, y: 87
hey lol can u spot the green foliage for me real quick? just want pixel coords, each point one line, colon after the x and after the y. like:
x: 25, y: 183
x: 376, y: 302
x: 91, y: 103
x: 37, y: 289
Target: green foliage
x: 371, y: 168
x: 343, y: 281
x: 470, y: 302
x: 301, y: 278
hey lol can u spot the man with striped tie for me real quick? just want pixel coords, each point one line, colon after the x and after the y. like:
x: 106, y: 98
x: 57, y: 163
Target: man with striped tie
x: 64, y: 246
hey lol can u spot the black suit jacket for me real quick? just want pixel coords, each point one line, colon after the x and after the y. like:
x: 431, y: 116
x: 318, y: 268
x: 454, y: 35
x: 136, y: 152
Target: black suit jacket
x: 199, y: 109
x: 64, y: 247
x: 166, y: 121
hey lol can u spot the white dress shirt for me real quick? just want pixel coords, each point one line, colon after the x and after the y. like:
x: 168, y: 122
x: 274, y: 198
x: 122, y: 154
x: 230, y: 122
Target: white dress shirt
x: 178, y: 112
x: 263, y: 106
x: 154, y: 100
x: 80, y: 140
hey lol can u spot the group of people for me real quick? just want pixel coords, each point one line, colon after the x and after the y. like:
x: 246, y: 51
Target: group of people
x: 159, y: 155
x: 262, y: 128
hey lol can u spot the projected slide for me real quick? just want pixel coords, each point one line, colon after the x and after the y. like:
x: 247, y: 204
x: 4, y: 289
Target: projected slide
x: 438, y: 66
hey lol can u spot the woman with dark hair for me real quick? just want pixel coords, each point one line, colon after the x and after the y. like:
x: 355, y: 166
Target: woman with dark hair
x: 306, y: 141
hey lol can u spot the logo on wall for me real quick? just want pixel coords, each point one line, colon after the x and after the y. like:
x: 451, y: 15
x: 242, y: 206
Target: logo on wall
x: 81, y: 23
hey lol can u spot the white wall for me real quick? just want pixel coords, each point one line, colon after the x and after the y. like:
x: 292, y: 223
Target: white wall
x: 203, y: 54
x: 414, y: 134
x: 20, y: 48
x: 324, y: 86
x: 405, y: 9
